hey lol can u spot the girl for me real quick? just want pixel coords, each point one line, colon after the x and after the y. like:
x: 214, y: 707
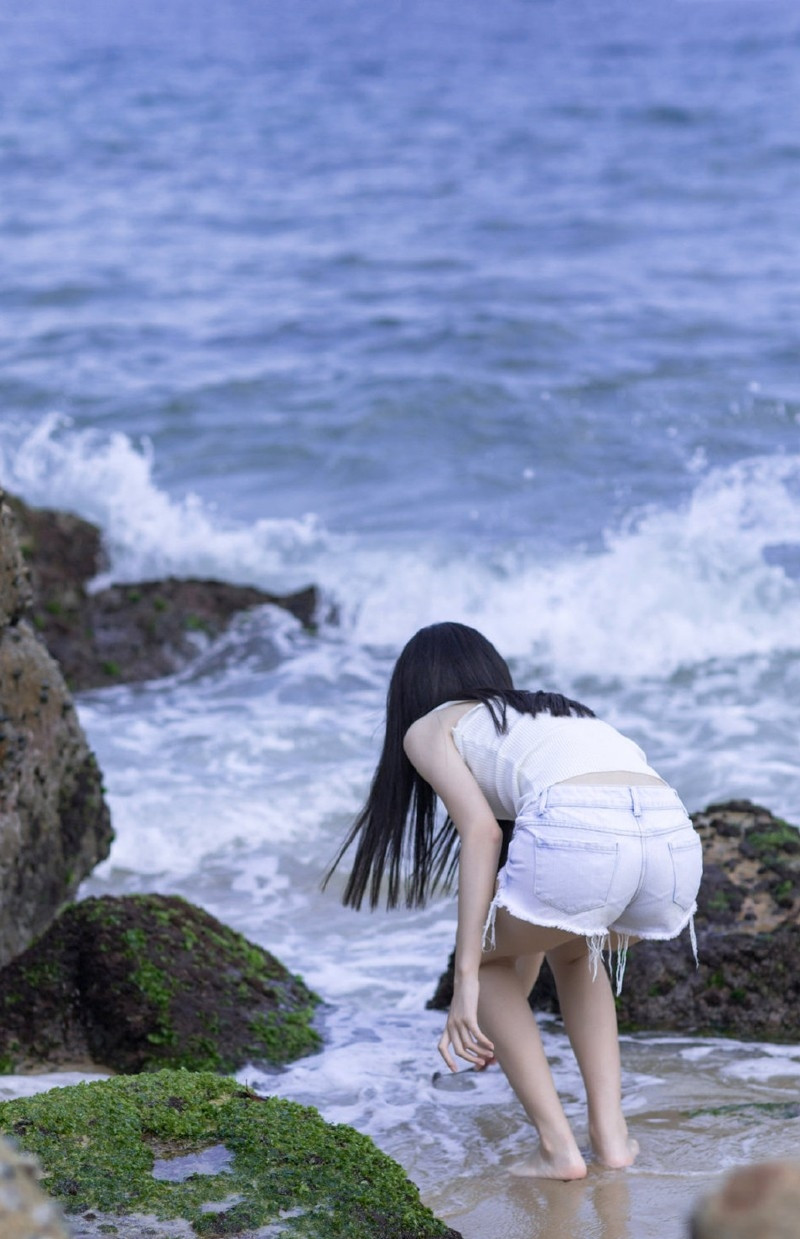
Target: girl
x: 602, y: 853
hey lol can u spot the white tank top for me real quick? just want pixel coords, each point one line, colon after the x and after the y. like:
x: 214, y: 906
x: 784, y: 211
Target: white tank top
x: 514, y: 767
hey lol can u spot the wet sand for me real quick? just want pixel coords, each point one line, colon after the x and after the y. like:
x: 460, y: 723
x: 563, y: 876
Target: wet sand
x: 697, y: 1109
x: 637, y: 1204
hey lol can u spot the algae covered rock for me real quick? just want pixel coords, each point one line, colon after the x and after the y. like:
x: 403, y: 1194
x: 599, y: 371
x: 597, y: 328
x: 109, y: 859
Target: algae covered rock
x: 268, y: 1162
x: 54, y: 823
x: 145, y: 981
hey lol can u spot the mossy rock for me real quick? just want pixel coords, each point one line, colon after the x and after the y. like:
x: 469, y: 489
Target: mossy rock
x: 97, y: 1144
x: 747, y: 984
x: 140, y: 982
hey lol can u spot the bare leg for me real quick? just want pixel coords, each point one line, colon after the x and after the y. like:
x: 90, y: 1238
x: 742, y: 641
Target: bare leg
x: 506, y: 1018
x: 527, y: 969
x: 590, y: 1018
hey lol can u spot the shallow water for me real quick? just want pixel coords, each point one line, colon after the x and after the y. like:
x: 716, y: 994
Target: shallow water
x: 469, y: 312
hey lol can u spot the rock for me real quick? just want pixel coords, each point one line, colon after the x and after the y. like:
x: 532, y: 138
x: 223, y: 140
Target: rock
x: 139, y: 982
x: 62, y: 553
x: 54, y: 823
x: 747, y: 984
x: 748, y: 934
x: 140, y: 632
x: 25, y: 1211
x: 125, y: 633
x: 754, y: 1202
x: 236, y: 1162
x: 16, y: 594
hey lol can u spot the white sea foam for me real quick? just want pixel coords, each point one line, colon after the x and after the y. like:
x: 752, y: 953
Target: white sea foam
x: 109, y: 479
x: 673, y: 588
x: 13, y: 1086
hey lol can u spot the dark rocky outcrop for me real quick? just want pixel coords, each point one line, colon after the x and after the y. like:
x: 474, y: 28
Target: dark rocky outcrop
x: 255, y: 1164
x: 124, y: 633
x: 140, y: 982
x: 747, y: 984
x: 54, y: 824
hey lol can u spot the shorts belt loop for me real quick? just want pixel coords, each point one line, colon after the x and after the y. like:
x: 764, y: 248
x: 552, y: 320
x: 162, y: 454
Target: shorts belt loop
x: 543, y: 800
x: 636, y: 805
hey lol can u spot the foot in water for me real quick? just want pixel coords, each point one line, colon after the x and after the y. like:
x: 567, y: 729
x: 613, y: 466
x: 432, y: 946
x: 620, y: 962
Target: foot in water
x: 618, y: 1155
x: 611, y: 1144
x: 540, y: 1166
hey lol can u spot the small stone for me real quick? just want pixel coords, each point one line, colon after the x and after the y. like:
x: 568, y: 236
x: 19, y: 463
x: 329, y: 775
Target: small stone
x: 25, y: 1211
x: 754, y: 1202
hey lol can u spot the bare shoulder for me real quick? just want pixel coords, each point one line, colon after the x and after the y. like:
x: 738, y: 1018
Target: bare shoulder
x: 434, y: 728
x: 430, y: 747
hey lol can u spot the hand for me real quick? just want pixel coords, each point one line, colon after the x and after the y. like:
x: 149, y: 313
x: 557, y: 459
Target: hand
x: 461, y: 1030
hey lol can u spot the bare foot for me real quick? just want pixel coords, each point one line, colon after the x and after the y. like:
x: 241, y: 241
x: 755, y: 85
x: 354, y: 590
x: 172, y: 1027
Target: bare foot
x: 540, y: 1166
x: 617, y: 1154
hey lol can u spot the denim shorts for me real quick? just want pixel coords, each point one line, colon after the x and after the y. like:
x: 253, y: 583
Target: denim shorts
x: 598, y: 859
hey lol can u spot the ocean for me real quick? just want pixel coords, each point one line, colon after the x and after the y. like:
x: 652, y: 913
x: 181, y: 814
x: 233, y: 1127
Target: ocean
x: 457, y: 311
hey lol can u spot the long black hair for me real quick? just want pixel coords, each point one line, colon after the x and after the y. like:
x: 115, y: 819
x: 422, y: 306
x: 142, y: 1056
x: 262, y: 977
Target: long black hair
x: 396, y: 832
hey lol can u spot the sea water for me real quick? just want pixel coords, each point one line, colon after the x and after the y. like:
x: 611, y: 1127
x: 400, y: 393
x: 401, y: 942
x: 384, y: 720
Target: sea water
x: 457, y: 311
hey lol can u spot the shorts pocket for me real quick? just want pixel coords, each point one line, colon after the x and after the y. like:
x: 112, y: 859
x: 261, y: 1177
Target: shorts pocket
x: 687, y: 870
x: 574, y: 876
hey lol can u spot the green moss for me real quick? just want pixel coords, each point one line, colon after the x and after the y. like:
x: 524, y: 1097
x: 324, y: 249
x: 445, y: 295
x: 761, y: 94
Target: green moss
x: 44, y: 973
x: 134, y: 595
x: 96, y: 1144
x: 111, y: 668
x: 102, y: 911
x: 286, y: 1036
x: 159, y: 603
x: 719, y: 902
x: 201, y: 1053
x: 53, y: 607
x: 193, y: 623
x: 783, y: 893
x: 768, y: 844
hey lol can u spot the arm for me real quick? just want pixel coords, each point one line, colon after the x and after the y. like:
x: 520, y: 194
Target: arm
x: 429, y: 747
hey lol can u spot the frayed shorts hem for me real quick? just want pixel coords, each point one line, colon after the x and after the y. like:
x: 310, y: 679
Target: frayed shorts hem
x: 659, y: 935
x: 598, y: 940
x: 583, y: 931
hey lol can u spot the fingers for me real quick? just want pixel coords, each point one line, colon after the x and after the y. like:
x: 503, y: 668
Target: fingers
x: 468, y: 1043
x: 444, y: 1049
